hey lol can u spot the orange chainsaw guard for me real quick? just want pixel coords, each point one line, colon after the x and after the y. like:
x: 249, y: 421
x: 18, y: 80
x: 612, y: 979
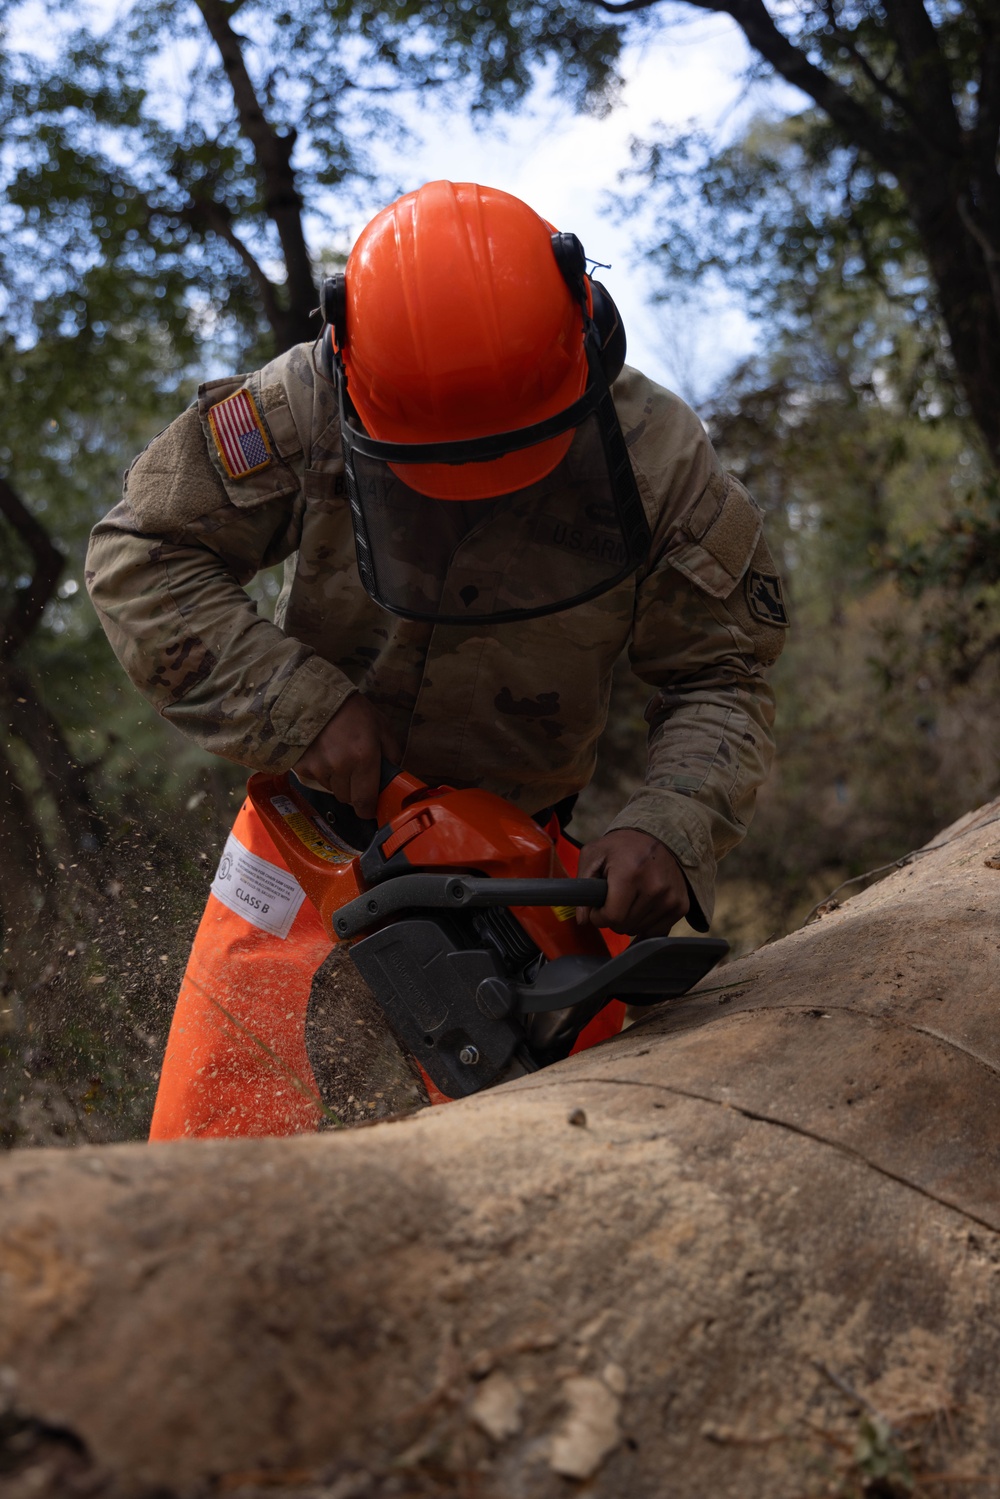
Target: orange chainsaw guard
x: 236, y: 1061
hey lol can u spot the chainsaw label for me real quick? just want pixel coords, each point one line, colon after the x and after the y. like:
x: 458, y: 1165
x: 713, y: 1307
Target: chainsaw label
x: 328, y: 848
x: 263, y: 894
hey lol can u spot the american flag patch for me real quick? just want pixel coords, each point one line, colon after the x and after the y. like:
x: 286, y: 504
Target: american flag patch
x: 239, y: 435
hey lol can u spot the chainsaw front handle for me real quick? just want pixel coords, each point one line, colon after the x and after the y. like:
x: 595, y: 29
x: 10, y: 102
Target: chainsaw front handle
x: 411, y: 892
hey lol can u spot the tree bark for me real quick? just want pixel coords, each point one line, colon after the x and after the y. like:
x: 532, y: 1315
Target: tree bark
x: 29, y: 603
x: 967, y: 285
x: 24, y: 709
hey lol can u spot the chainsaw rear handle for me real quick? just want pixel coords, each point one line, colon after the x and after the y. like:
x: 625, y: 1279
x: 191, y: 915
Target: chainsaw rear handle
x: 356, y: 831
x: 387, y: 774
x: 454, y: 892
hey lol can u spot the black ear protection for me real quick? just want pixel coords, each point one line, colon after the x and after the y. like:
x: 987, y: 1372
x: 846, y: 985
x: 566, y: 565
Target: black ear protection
x: 333, y: 306
x: 572, y: 263
x: 333, y: 302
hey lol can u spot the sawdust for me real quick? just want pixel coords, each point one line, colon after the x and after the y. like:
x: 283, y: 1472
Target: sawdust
x: 360, y: 1070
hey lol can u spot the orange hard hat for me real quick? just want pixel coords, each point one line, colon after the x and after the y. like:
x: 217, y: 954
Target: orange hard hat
x: 460, y: 324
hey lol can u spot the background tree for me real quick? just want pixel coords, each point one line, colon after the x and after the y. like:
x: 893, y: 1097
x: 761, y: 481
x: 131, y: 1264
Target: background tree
x: 205, y: 192
x: 905, y: 137
x: 882, y: 511
x: 176, y: 182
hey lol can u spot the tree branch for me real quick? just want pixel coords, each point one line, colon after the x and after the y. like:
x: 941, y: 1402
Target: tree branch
x: 926, y: 70
x: 29, y: 603
x: 891, y: 149
x: 217, y: 217
x: 272, y: 155
x: 880, y: 84
x: 991, y: 253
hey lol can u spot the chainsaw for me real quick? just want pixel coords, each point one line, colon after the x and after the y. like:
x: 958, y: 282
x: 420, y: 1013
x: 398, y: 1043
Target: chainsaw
x: 459, y: 916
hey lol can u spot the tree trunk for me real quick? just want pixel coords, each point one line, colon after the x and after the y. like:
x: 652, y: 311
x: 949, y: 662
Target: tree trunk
x: 25, y: 870
x: 62, y: 774
x: 23, y: 707
x: 291, y: 314
x: 967, y: 294
x: 947, y: 168
x: 749, y: 1248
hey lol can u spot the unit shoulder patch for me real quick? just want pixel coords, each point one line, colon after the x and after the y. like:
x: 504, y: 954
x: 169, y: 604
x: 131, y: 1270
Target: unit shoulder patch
x: 240, y: 435
x: 765, y: 598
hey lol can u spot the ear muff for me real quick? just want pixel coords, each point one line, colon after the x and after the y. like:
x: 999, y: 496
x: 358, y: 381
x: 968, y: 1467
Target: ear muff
x: 333, y: 306
x: 572, y: 262
x: 611, y: 330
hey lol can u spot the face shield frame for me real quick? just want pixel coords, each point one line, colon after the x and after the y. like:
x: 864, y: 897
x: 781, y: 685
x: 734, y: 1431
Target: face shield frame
x: 596, y: 404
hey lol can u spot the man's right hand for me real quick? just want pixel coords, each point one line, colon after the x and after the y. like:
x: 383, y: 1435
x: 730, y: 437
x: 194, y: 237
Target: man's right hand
x: 346, y: 756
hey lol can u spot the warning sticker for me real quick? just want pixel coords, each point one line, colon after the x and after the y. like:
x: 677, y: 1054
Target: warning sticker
x: 260, y: 892
x: 326, y: 847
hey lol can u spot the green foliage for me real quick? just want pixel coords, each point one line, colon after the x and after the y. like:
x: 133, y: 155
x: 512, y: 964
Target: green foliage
x: 149, y: 234
x: 882, y: 739
x: 809, y: 232
x: 133, y: 176
x: 962, y: 553
x: 887, y: 689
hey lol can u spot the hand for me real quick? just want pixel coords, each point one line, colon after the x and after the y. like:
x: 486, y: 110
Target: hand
x: 346, y: 756
x: 647, y: 892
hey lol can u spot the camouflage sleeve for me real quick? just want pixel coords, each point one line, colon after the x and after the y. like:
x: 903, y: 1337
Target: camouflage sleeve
x: 709, y: 620
x: 165, y: 571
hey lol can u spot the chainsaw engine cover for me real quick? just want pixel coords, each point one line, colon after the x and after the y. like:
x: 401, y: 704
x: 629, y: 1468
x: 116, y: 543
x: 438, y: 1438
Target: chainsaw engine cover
x: 427, y: 984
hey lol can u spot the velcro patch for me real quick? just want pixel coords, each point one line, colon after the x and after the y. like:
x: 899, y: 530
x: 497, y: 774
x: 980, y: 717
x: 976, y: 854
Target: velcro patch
x: 240, y: 435
x: 765, y: 598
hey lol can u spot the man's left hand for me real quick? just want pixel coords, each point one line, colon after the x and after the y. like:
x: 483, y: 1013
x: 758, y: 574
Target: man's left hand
x: 647, y: 892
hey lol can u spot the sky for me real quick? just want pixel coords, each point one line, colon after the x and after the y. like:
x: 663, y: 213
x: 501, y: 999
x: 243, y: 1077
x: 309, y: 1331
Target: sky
x: 566, y: 167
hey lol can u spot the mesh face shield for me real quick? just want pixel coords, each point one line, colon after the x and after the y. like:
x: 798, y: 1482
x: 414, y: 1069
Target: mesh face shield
x: 556, y: 543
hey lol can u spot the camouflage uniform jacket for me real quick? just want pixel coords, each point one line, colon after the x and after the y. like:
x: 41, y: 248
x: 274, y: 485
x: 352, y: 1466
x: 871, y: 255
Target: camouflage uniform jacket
x: 516, y: 708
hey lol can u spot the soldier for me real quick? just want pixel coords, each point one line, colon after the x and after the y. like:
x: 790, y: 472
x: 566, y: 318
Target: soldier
x: 525, y: 507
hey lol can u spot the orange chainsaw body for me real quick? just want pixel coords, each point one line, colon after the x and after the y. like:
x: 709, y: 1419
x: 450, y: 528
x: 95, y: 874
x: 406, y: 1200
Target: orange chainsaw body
x: 441, y: 828
x: 453, y: 902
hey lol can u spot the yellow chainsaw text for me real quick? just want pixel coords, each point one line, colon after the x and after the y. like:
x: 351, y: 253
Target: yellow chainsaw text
x: 314, y: 840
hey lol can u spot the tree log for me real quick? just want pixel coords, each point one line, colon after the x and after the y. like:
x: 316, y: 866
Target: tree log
x: 751, y: 1248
